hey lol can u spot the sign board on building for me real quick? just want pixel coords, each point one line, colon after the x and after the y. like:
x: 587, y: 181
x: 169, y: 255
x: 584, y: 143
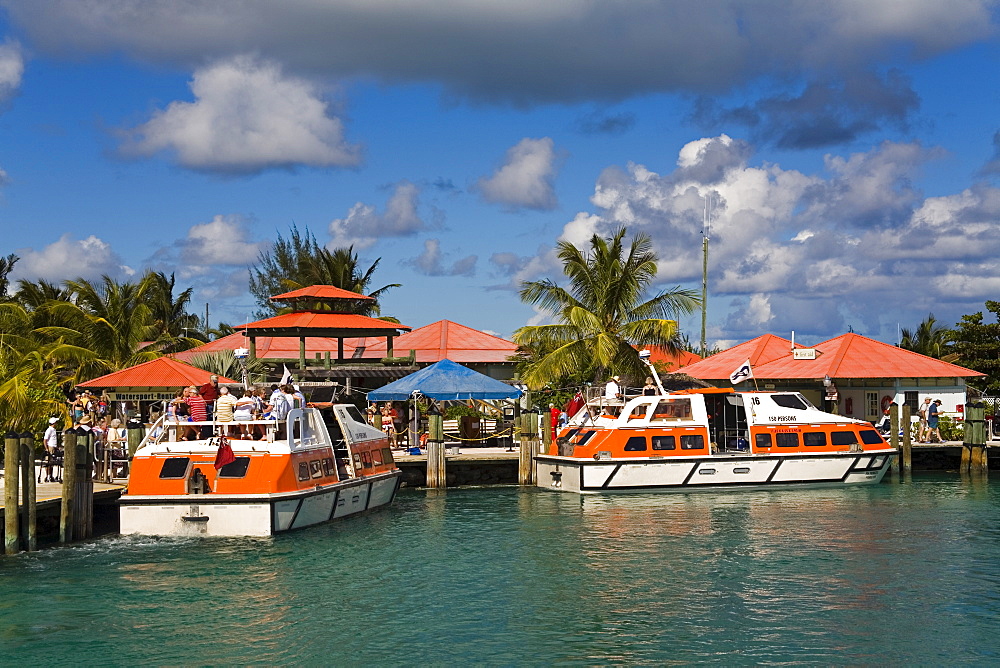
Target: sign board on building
x: 804, y: 354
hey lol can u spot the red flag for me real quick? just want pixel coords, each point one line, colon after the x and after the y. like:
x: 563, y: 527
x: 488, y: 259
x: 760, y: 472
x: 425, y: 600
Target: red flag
x: 224, y: 455
x: 575, y: 404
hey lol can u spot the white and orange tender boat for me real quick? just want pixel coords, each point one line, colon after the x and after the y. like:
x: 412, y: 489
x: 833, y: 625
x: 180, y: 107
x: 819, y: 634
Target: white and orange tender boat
x: 710, y: 438
x: 297, y: 476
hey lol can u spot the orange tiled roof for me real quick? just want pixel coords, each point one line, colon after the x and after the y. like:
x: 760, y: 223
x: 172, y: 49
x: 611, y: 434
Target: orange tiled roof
x: 846, y: 356
x: 672, y: 362
x: 323, y: 292
x: 307, y: 319
x: 161, y: 372
x: 445, y: 339
x: 272, y: 346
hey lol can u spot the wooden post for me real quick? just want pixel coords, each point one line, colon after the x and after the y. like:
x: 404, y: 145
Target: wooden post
x: 134, y: 432
x: 11, y: 537
x: 975, y: 437
x: 907, y: 453
x: 529, y: 447
x: 302, y: 355
x: 546, y: 431
x: 67, y: 516
x: 84, y: 493
x: 894, y: 435
x: 326, y: 360
x: 437, y: 475
x: 29, y: 521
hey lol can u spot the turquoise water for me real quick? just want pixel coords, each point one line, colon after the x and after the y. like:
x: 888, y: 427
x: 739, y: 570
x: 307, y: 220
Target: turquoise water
x: 890, y: 574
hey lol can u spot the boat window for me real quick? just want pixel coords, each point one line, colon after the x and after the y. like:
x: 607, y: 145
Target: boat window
x: 673, y: 409
x: 664, y: 443
x: 236, y: 468
x: 790, y: 401
x: 357, y: 462
x: 366, y: 460
x: 387, y: 456
x: 328, y: 467
x: 571, y: 433
x: 638, y: 413
x: 303, y: 470
x: 762, y: 440
x: 174, y: 467
x: 843, y: 438
x: 316, y: 468
x: 377, y: 456
x: 786, y: 440
x: 814, y: 438
x: 355, y: 414
x: 692, y: 442
x: 586, y: 437
x: 636, y: 444
x: 870, y: 437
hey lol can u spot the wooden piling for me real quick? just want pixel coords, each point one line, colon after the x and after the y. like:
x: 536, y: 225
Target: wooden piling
x: 67, y: 516
x: 546, y: 431
x: 974, y: 457
x: 134, y: 432
x: 85, y: 485
x: 437, y: 474
x: 907, y: 452
x: 529, y: 448
x: 11, y: 536
x: 29, y: 497
x: 894, y: 436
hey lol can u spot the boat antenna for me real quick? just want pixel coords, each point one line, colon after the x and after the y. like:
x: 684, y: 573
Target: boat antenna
x: 644, y: 358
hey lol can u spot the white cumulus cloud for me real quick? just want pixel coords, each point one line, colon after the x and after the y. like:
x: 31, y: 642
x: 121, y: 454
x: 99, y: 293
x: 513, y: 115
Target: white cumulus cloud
x: 247, y: 116
x: 68, y: 259
x: 525, y: 179
x: 364, y: 225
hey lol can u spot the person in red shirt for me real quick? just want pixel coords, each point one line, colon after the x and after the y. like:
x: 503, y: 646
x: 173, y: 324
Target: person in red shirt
x: 554, y: 419
x: 210, y: 392
x: 198, y: 410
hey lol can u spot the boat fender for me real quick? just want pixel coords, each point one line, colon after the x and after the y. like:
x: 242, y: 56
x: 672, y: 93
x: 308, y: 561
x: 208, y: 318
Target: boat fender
x: 886, y: 402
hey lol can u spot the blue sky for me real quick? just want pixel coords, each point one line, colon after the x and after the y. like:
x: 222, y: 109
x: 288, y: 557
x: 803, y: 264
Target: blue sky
x: 851, y: 149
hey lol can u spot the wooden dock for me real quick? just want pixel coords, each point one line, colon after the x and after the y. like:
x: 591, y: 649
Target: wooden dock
x: 467, y: 466
x: 49, y: 495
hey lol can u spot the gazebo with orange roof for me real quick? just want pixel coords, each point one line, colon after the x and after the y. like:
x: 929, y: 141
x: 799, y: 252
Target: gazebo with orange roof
x: 322, y: 311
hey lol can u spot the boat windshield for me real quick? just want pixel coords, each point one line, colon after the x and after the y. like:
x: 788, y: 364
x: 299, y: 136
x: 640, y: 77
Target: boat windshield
x: 792, y: 400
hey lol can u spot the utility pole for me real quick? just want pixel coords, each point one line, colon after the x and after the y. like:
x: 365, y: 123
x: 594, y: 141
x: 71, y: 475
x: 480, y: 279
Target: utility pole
x: 704, y: 277
x: 206, y: 319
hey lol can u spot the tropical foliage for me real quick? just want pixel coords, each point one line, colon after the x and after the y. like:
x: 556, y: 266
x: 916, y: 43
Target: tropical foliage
x: 300, y: 261
x: 977, y: 345
x: 55, y: 336
x: 222, y: 363
x: 602, y: 316
x: 930, y: 338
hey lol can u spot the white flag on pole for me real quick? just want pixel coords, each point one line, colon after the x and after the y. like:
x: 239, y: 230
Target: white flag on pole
x: 744, y: 372
x: 286, y: 377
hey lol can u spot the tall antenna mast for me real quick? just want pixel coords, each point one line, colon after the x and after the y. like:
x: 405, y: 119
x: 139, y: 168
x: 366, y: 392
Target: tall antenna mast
x: 704, y: 277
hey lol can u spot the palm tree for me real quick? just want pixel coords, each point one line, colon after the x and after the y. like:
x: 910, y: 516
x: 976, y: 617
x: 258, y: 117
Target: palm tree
x: 6, y: 265
x: 32, y: 295
x: 30, y: 372
x: 300, y: 261
x: 601, y: 315
x: 930, y: 338
x: 109, y: 327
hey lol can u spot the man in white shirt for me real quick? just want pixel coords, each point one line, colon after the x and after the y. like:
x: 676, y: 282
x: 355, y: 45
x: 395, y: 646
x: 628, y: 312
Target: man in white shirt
x: 51, y: 441
x: 613, y: 390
